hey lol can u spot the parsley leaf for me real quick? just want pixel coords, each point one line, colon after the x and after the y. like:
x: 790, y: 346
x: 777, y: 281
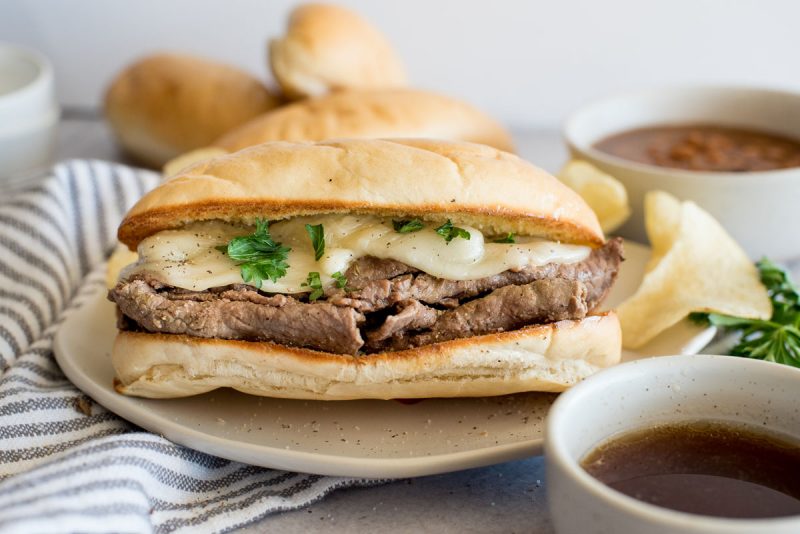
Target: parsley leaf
x: 699, y: 318
x: 259, y: 257
x: 408, y: 226
x: 450, y: 232
x: 776, y: 339
x: 313, y: 281
x: 317, y: 235
x: 341, y: 280
x: 510, y: 238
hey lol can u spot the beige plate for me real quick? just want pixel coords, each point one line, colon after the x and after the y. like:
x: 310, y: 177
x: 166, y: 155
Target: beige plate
x: 346, y: 438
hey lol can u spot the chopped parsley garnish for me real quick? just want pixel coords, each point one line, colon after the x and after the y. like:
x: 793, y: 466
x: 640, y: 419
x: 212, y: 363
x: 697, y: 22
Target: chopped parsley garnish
x: 317, y: 235
x: 313, y: 281
x: 259, y: 257
x: 408, y: 226
x: 776, y: 339
x: 510, y: 238
x: 450, y: 232
x: 341, y: 280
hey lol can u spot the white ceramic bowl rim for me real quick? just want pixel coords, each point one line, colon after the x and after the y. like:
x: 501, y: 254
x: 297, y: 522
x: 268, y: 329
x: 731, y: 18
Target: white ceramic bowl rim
x: 42, y: 79
x: 557, y: 449
x: 576, y: 116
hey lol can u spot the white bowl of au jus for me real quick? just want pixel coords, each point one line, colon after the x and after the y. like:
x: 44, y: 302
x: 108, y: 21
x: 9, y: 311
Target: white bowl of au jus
x: 677, y: 444
x: 29, y: 112
x: 684, y: 141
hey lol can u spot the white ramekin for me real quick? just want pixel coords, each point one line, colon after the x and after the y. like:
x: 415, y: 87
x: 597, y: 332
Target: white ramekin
x: 29, y: 112
x: 657, y: 390
x: 760, y: 209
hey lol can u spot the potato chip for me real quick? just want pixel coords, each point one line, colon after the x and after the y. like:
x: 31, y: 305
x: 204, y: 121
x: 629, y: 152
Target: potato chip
x: 696, y: 267
x: 663, y: 227
x: 604, y: 193
x: 175, y: 165
x: 120, y: 258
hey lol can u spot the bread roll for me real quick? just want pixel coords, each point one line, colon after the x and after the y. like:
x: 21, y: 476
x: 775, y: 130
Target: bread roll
x: 472, y: 184
x: 549, y: 357
x: 371, y: 114
x: 167, y: 104
x: 175, y: 165
x: 327, y: 48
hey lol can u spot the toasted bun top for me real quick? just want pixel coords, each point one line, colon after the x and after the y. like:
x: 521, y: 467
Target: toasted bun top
x: 166, y: 104
x: 470, y: 184
x: 327, y: 48
x: 371, y: 113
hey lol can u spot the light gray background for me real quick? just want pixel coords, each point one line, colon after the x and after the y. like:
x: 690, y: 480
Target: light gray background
x: 529, y: 63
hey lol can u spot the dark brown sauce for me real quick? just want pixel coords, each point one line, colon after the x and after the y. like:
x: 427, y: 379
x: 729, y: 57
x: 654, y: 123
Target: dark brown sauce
x: 708, y: 468
x: 704, y: 148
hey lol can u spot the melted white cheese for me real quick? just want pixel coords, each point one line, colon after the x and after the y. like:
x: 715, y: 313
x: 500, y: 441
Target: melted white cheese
x: 187, y: 258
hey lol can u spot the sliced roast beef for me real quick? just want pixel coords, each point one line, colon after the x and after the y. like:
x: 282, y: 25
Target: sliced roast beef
x: 240, y: 314
x: 411, y: 315
x: 597, y: 272
x: 507, y: 308
x: 392, y: 305
x: 369, y: 268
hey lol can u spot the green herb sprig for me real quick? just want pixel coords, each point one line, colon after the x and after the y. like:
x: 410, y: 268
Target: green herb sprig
x: 258, y: 255
x: 509, y: 238
x: 341, y: 280
x: 407, y: 226
x: 313, y: 281
x: 450, y: 232
x: 776, y: 339
x: 317, y: 235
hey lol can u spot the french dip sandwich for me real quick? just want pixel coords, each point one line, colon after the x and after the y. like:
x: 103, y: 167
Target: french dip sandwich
x: 363, y: 269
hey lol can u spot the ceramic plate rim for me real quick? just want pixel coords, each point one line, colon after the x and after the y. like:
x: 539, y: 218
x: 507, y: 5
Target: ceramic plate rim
x: 328, y: 464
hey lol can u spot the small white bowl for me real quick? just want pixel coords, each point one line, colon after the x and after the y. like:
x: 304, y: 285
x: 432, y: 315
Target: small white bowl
x: 657, y: 390
x: 759, y: 209
x: 28, y: 110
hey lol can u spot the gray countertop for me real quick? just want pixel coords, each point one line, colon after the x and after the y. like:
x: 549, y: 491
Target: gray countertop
x: 508, y: 497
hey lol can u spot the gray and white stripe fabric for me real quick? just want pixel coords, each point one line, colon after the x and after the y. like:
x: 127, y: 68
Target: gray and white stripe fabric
x: 67, y: 464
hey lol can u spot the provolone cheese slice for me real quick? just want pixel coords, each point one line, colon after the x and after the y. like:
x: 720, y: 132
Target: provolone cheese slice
x: 188, y: 258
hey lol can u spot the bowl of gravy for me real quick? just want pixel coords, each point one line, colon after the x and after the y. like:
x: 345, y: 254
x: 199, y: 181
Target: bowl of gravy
x: 735, y: 151
x: 677, y: 444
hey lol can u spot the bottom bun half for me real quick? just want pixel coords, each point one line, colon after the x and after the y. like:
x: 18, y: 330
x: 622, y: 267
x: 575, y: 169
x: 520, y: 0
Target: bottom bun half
x: 548, y: 357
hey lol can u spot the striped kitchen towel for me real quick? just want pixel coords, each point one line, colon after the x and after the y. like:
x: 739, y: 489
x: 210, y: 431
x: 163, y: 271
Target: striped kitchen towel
x: 67, y: 464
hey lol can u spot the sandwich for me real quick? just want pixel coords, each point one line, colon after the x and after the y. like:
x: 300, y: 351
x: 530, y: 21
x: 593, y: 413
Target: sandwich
x: 363, y: 269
